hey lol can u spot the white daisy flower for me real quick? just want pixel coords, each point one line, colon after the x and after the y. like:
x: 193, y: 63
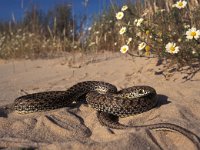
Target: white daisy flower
x: 89, y: 28
x: 172, y: 48
x: 125, y: 7
x: 135, y: 21
x: 122, y: 30
x: 193, y: 52
x: 129, y: 40
x: 193, y: 33
x: 141, y: 46
x: 119, y: 15
x: 124, y: 49
x: 138, y: 34
x: 138, y: 22
x: 180, y: 4
x: 162, y: 10
x: 186, y: 26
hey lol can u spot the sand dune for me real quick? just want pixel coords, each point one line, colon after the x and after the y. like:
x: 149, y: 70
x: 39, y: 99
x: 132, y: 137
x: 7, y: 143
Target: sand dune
x: 78, y: 127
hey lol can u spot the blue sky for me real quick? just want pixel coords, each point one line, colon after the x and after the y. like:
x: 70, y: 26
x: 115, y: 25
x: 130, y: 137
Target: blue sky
x: 10, y: 9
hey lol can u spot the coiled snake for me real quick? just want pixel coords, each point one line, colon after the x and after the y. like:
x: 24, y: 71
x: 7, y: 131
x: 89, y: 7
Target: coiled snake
x: 104, y: 97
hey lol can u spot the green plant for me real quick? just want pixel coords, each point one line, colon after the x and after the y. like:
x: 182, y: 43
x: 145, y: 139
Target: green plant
x: 172, y: 35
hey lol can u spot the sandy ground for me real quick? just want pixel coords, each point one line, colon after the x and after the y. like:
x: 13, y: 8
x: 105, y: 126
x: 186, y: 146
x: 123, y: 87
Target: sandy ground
x: 78, y: 128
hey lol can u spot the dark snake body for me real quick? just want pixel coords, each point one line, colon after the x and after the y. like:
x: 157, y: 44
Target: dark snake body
x: 104, y: 97
x: 43, y: 101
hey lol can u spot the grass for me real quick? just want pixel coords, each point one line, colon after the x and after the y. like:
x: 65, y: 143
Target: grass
x: 39, y: 35
x: 24, y: 44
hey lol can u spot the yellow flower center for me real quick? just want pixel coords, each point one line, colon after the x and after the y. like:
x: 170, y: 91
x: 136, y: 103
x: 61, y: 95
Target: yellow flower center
x: 122, y: 30
x: 193, y: 33
x: 147, y: 32
x: 120, y: 15
x: 147, y: 53
x: 172, y: 48
x: 124, y: 49
x: 147, y: 48
x: 180, y: 4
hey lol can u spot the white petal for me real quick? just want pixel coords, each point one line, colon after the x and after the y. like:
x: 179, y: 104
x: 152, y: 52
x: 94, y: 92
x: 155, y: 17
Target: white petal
x: 184, y: 3
x: 196, y: 37
x: 168, y: 46
x: 189, y: 37
x: 198, y: 32
x: 188, y: 32
x: 176, y: 49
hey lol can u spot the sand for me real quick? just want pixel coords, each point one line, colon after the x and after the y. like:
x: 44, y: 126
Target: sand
x: 78, y: 127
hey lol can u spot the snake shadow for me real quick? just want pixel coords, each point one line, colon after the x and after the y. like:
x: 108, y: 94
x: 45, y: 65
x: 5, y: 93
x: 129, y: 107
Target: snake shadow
x: 3, y: 113
x: 6, y: 109
x: 162, y: 100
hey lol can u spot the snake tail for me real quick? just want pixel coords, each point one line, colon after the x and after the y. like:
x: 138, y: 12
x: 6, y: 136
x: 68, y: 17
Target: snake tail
x: 112, y: 121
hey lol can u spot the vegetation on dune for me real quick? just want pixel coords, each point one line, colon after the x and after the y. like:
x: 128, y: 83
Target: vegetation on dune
x: 168, y: 30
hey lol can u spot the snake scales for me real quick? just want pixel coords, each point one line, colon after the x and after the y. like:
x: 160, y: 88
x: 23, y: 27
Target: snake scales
x: 104, y: 97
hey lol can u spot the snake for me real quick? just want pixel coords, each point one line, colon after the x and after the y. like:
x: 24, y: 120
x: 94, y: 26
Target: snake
x: 109, y: 103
